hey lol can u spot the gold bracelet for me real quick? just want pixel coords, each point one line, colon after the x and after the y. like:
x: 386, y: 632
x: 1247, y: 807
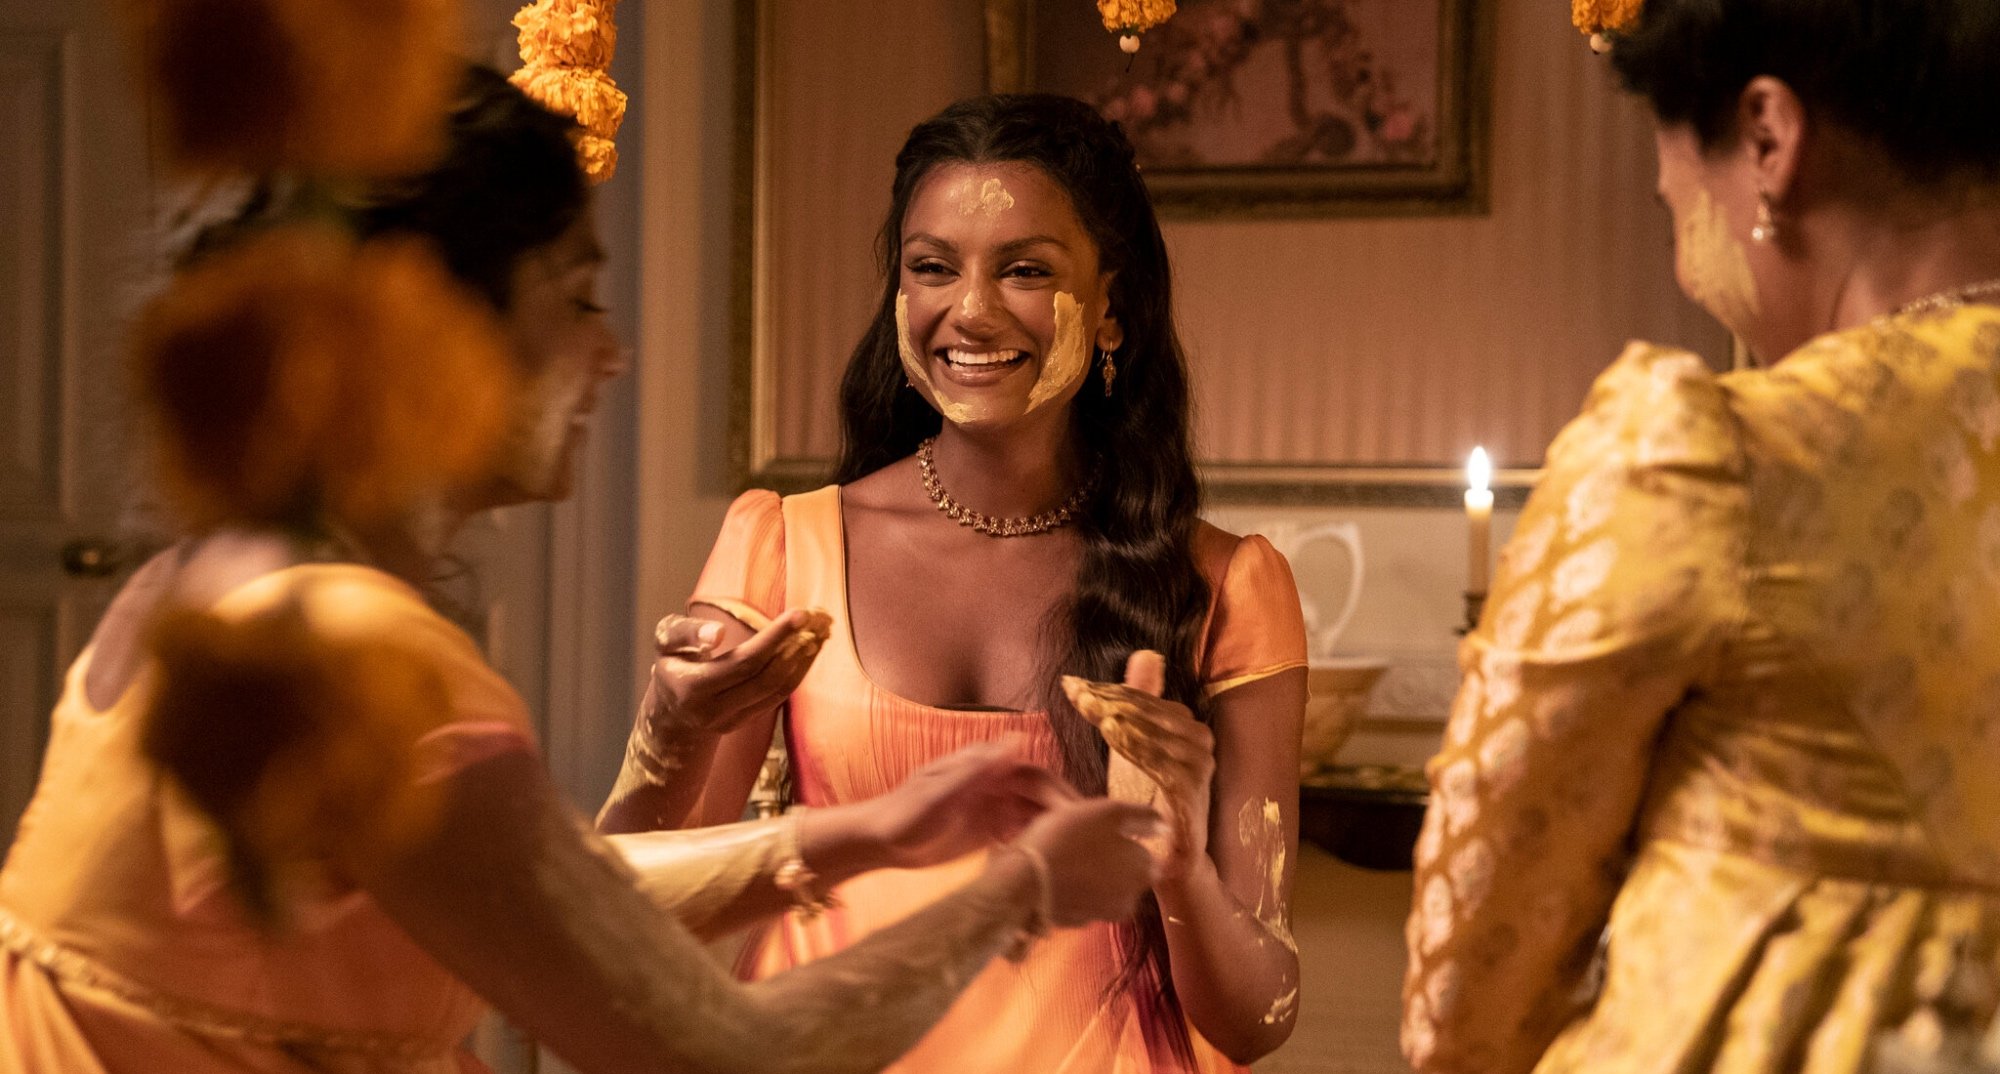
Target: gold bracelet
x: 797, y: 879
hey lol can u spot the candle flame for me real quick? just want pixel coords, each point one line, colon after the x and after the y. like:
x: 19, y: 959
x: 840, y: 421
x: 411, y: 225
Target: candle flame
x: 1479, y: 470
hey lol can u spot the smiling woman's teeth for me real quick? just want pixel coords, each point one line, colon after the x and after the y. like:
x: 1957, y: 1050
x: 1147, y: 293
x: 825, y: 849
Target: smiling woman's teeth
x: 976, y: 359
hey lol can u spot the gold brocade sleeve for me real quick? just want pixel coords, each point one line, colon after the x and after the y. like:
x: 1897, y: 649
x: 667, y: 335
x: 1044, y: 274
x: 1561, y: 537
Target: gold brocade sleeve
x: 1617, y: 583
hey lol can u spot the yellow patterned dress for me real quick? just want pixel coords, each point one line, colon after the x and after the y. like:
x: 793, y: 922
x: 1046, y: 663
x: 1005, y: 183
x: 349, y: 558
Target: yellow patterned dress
x: 1721, y: 788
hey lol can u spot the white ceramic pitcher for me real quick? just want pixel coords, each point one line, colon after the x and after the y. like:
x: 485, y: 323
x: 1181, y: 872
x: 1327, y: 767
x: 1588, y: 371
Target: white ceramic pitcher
x: 1337, y: 688
x: 1323, y: 625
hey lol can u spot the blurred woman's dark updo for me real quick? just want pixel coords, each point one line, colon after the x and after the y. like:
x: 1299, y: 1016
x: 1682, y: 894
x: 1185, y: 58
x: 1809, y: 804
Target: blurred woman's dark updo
x: 334, y: 354
x: 506, y: 182
x: 1921, y: 78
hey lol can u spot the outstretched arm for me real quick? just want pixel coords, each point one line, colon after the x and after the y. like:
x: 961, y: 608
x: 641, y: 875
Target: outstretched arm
x: 718, y: 879
x: 512, y: 893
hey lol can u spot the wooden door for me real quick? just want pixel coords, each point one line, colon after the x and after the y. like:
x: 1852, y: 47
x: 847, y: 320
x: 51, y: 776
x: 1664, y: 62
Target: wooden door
x: 74, y: 204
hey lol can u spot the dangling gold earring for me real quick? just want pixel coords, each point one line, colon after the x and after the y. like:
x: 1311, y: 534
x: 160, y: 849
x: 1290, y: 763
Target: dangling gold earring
x: 1766, y: 227
x: 1110, y: 371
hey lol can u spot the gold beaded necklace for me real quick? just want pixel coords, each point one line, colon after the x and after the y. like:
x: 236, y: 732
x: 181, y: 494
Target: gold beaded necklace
x: 1055, y: 518
x: 1950, y: 299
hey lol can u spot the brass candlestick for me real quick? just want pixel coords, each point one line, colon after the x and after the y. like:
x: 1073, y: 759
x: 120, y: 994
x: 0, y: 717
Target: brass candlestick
x: 1475, y: 606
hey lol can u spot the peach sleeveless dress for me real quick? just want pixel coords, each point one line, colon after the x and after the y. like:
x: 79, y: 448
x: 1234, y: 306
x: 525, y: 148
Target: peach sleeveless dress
x: 122, y: 948
x: 850, y: 739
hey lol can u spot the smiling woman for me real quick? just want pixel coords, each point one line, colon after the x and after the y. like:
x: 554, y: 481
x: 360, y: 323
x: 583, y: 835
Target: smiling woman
x: 1014, y: 534
x: 976, y: 270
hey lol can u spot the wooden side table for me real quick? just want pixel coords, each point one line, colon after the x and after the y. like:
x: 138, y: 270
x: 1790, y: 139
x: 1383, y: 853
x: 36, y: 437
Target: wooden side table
x: 1365, y: 815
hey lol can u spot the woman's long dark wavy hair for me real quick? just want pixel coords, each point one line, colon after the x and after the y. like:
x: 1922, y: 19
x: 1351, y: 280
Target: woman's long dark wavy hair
x: 1137, y: 586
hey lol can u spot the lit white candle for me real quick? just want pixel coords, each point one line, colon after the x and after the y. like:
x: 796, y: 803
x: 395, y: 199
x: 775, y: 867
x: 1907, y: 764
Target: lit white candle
x: 1478, y: 518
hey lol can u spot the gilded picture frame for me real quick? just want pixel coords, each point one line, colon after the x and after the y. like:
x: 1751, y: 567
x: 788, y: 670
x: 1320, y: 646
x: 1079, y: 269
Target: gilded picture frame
x: 1277, y: 108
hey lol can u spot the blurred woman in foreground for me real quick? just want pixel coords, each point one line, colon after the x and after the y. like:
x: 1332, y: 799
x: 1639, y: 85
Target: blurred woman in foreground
x: 289, y: 820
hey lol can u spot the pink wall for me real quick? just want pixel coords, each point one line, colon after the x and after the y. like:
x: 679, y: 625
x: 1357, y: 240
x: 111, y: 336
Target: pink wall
x: 1398, y: 340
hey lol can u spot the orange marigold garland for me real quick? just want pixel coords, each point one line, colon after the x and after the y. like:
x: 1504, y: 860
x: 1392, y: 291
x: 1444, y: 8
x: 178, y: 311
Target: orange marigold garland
x: 1599, y: 18
x: 333, y: 87
x: 1131, y: 18
x: 301, y: 376
x: 566, y: 52
x: 298, y: 731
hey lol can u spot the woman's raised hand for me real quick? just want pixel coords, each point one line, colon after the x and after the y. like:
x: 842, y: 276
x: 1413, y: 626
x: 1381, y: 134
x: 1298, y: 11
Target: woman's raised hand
x: 1160, y: 754
x: 695, y: 688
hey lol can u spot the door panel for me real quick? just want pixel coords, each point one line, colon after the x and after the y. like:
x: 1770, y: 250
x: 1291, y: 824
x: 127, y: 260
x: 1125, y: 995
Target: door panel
x: 31, y: 96
x: 27, y: 652
x: 73, y: 196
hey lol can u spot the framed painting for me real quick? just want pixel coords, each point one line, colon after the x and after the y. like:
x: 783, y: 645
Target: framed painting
x: 1276, y: 107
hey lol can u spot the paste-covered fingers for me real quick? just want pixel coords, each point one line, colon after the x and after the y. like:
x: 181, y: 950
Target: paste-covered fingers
x: 771, y: 655
x: 713, y: 693
x: 1161, y: 755
x: 792, y: 633
x: 1139, y: 726
x: 687, y: 636
x: 781, y: 673
x: 1127, y: 782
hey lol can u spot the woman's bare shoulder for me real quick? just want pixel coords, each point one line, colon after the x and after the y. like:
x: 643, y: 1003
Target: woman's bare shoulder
x: 894, y: 489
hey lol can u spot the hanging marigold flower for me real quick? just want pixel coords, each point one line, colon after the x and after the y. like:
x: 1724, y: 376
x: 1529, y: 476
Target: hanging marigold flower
x: 571, y: 33
x: 566, y: 52
x: 298, y: 730
x: 302, y: 377
x: 590, y: 97
x: 597, y: 156
x: 342, y: 87
x: 1131, y: 18
x: 1604, y: 16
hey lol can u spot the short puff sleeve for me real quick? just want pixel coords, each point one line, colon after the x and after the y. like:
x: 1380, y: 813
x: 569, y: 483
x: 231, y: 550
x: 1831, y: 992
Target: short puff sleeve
x: 745, y: 574
x: 1255, y: 627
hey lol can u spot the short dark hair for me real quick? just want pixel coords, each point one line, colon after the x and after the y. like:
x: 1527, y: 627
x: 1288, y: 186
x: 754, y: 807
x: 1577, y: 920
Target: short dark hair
x: 1920, y: 78
x: 505, y: 182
